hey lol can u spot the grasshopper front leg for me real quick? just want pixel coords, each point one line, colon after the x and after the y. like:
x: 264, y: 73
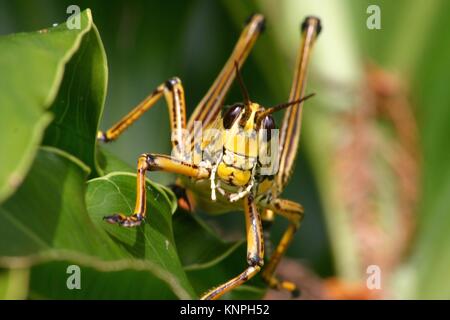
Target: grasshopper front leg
x: 255, y: 252
x: 154, y: 162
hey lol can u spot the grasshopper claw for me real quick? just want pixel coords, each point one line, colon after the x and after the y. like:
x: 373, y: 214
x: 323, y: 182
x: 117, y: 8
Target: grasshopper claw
x: 125, y: 221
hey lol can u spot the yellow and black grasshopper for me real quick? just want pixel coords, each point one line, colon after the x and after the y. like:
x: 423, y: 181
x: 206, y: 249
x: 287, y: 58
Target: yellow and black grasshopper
x: 218, y: 155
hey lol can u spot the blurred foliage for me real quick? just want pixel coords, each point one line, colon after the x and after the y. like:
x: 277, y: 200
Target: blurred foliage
x: 148, y: 42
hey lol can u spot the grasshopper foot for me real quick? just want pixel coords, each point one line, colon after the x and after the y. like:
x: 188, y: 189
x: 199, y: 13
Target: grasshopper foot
x: 125, y: 221
x: 290, y: 287
x: 283, y: 285
x: 101, y: 136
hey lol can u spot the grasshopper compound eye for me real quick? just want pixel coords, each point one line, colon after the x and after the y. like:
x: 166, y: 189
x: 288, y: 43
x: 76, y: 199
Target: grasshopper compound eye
x: 268, y: 124
x: 231, y: 115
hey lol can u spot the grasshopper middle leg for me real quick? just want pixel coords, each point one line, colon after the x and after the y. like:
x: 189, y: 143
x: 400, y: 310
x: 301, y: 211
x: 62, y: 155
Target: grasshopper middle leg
x: 173, y: 91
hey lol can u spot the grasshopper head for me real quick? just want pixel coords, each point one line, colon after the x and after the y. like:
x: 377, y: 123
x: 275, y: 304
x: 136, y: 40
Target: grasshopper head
x: 240, y: 144
x: 248, y: 127
x: 242, y: 125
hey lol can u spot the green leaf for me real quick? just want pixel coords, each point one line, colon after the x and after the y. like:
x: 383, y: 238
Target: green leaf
x: 152, y: 240
x: 32, y: 67
x: 210, y: 261
x: 78, y: 106
x: 49, y: 228
x: 199, y: 247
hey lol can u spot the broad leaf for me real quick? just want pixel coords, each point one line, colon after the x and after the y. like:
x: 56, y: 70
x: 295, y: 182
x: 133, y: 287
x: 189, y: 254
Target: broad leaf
x: 49, y: 227
x: 79, y: 103
x: 32, y: 68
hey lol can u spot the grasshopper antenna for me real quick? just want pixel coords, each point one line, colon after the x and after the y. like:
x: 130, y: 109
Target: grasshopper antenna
x: 244, y: 90
x: 281, y: 106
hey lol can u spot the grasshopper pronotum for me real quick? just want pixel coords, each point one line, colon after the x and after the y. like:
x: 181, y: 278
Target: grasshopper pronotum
x: 222, y: 170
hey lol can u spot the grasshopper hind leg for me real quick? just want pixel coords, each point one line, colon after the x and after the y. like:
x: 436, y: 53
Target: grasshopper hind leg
x: 289, y: 140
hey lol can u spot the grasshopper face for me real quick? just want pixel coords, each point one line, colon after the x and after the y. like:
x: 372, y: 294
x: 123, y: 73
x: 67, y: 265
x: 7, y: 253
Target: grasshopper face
x: 240, y: 145
x: 245, y: 137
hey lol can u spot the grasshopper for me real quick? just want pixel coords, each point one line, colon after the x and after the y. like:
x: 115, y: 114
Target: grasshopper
x: 222, y: 170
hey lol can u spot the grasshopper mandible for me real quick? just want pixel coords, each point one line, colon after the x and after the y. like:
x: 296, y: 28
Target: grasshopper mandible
x: 222, y: 170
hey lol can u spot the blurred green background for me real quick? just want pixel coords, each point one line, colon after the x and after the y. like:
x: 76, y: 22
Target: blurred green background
x: 147, y: 42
